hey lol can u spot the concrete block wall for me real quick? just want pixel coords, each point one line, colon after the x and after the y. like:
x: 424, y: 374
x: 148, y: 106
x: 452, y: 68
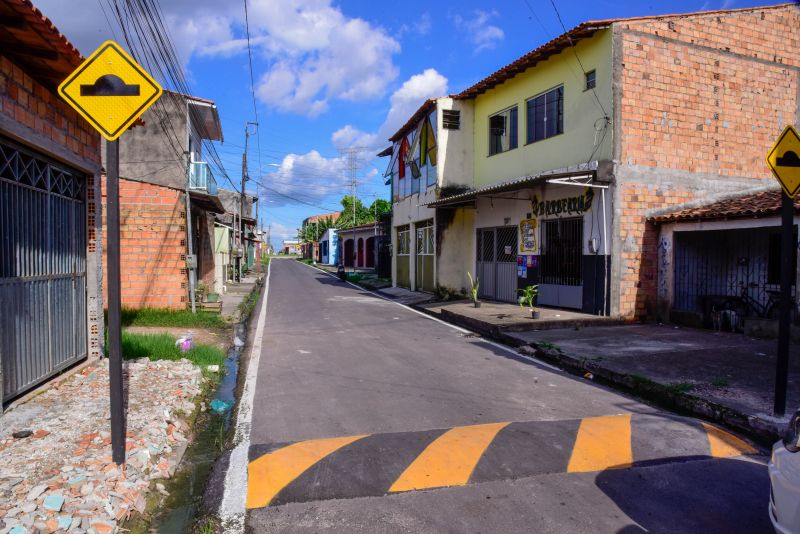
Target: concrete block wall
x: 699, y: 100
x: 153, y: 246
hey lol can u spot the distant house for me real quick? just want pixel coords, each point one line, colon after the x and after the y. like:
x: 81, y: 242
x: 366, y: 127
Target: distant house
x: 235, y: 250
x: 329, y: 247
x: 154, y: 231
x: 292, y: 246
x: 50, y: 234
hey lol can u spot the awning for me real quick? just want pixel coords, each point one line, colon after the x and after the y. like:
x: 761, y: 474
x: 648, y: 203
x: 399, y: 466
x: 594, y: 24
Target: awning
x: 467, y: 197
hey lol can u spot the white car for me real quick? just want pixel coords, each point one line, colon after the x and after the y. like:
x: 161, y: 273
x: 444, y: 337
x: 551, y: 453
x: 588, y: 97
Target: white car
x: 784, y: 478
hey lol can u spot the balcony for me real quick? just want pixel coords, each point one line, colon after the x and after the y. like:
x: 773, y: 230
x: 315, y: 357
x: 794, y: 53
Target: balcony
x: 201, y: 178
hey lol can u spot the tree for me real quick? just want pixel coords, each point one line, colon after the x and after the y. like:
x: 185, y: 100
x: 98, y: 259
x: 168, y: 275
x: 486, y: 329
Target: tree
x: 363, y: 214
x: 313, y: 231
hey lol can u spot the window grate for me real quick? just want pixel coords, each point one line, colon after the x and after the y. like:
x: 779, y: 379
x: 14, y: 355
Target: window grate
x: 451, y: 119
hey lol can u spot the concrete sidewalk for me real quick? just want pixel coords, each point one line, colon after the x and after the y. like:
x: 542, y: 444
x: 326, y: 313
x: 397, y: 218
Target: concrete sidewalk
x: 236, y: 294
x: 498, y: 318
x: 725, y: 377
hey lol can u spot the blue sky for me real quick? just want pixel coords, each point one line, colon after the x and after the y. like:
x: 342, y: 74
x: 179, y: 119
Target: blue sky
x: 331, y: 75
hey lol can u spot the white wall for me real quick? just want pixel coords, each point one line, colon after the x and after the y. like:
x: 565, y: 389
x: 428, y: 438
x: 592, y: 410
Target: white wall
x: 502, y: 212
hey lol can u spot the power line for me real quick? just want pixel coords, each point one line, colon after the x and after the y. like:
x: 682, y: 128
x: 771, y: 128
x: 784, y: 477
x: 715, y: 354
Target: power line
x: 574, y: 51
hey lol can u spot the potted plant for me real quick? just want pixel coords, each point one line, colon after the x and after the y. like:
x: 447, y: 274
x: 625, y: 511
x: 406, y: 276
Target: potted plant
x: 473, y: 290
x: 528, y: 297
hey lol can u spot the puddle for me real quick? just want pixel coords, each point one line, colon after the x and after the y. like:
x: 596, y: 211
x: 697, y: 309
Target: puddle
x: 186, y: 488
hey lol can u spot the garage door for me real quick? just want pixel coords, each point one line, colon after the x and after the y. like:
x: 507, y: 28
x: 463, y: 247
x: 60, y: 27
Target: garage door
x: 42, y: 268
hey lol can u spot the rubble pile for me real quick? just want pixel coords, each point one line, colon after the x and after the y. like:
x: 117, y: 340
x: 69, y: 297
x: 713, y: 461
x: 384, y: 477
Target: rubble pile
x: 56, y: 472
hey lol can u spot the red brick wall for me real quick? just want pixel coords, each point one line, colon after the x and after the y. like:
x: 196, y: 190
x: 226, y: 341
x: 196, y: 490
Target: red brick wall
x: 153, y: 245
x: 42, y: 110
x: 704, y: 94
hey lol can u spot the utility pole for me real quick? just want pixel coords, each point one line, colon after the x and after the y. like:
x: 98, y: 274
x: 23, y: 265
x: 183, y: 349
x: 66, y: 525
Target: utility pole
x: 242, y: 196
x: 192, y: 263
x: 352, y: 167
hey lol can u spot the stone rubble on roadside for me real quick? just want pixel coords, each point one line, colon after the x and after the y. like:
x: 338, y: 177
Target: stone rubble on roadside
x: 61, y: 477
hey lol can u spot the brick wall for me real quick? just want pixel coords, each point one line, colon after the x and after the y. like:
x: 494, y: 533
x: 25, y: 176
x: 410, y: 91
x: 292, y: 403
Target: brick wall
x: 152, y: 244
x: 702, y: 99
x: 42, y: 110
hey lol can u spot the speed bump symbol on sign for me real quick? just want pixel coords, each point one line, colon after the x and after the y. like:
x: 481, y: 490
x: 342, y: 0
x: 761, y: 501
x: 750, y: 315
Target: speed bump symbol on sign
x: 110, y: 90
x: 784, y: 161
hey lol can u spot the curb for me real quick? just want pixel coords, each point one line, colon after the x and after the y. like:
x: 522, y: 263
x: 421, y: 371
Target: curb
x: 763, y: 431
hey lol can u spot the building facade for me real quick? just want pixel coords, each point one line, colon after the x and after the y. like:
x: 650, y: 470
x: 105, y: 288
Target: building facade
x: 155, y: 175
x: 50, y: 235
x: 568, y: 157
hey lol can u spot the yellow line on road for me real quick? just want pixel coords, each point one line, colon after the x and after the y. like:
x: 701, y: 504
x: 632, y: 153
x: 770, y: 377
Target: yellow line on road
x: 270, y: 473
x: 602, y: 443
x: 724, y: 444
x: 449, y: 460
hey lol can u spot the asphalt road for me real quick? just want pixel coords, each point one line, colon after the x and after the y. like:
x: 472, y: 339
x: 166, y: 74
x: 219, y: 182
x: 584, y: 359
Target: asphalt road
x: 369, y: 417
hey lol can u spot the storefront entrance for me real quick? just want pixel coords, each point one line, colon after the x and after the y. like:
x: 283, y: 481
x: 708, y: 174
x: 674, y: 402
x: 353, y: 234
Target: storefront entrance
x: 496, y: 251
x: 560, y: 265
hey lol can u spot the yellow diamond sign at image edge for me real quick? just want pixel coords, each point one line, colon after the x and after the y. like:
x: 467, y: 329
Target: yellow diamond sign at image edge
x: 110, y: 90
x: 784, y: 161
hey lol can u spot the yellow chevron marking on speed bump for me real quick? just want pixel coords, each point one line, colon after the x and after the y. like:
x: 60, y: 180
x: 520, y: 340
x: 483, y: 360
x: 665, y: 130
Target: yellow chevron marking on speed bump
x: 269, y: 474
x: 724, y: 444
x: 602, y: 443
x: 449, y: 460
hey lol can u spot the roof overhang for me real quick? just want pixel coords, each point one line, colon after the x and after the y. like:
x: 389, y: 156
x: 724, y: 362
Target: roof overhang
x: 426, y: 107
x: 205, y: 118
x: 467, y: 198
x: 33, y: 42
x: 210, y: 203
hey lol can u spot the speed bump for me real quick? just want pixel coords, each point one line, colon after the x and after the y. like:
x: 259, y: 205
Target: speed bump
x: 389, y: 463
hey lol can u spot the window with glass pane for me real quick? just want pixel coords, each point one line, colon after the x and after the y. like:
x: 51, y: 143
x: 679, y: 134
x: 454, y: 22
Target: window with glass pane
x: 503, y: 131
x: 546, y: 115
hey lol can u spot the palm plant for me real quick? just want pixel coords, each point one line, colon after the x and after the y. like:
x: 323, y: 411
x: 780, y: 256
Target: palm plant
x: 528, y: 298
x: 474, y: 285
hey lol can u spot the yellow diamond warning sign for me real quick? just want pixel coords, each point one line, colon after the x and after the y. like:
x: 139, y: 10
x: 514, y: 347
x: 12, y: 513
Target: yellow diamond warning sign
x: 110, y: 90
x: 784, y: 160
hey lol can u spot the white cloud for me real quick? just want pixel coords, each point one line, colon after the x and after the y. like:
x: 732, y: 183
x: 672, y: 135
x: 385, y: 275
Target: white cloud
x: 483, y: 35
x: 421, y: 27
x: 315, y: 52
x: 280, y: 232
x: 308, y: 178
x: 404, y: 102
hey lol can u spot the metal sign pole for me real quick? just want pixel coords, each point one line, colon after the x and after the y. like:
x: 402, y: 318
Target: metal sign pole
x: 784, y: 321
x: 114, y: 304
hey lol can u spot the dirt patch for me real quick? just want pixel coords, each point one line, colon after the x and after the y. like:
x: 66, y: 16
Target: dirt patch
x: 218, y: 338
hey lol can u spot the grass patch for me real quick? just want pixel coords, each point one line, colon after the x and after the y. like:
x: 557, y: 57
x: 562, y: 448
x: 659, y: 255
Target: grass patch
x: 265, y: 260
x: 719, y: 382
x: 307, y: 261
x: 247, y: 306
x: 546, y: 345
x: 680, y: 387
x: 639, y: 379
x: 162, y: 347
x: 354, y: 277
x: 164, y: 317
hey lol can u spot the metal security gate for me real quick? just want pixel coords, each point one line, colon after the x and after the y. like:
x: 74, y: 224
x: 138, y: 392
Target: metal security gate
x: 496, y: 250
x: 423, y: 275
x: 561, y: 263
x: 737, y: 269
x: 42, y: 268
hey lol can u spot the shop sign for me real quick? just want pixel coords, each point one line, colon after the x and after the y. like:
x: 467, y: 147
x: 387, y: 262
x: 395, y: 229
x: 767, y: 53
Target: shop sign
x: 563, y: 206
